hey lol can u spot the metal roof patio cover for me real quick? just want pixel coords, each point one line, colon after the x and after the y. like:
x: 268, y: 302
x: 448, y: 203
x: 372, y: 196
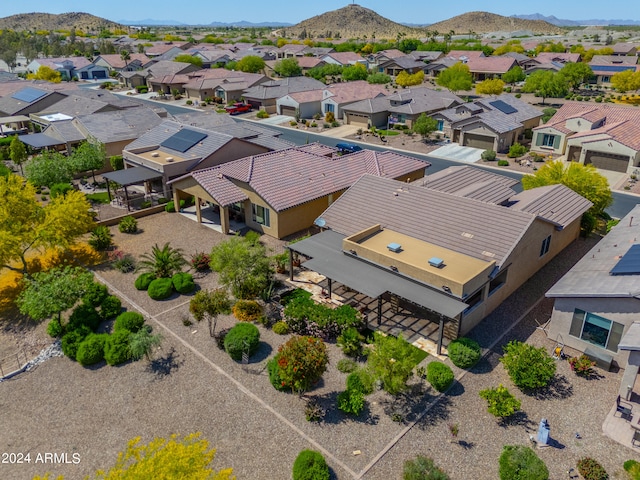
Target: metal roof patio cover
x: 132, y: 175
x: 328, y: 259
x: 40, y: 140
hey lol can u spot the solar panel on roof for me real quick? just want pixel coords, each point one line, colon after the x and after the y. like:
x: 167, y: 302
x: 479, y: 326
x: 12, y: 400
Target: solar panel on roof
x: 28, y: 94
x: 613, y: 68
x: 503, y: 107
x: 629, y: 264
x: 183, y: 140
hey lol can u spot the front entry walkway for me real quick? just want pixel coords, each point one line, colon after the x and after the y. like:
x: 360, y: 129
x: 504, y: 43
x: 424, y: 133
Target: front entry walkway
x: 211, y: 219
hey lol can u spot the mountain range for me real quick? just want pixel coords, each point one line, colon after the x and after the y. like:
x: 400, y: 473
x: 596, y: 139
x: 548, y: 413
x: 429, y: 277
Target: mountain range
x: 242, y: 23
x: 575, y: 23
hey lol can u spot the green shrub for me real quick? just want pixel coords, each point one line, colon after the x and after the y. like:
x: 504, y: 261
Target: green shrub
x: 464, y: 352
x: 350, y: 341
x: 590, y: 469
x: 351, y: 402
x: 84, y: 315
x: 291, y: 295
x: 367, y: 379
x: 95, y: 294
x: 528, y: 367
x: 183, y: 282
x: 247, y: 310
x: 110, y: 307
x: 128, y: 225
x: 91, y: 349
x: 262, y: 114
x: 488, y: 155
x: 439, y: 375
x: 244, y: 337
x: 503, y: 163
x: 392, y: 362
x: 582, y: 365
x: 422, y: 468
x: 54, y: 329
x: 162, y: 201
x: 130, y: 321
x: 117, y: 162
x: 116, y: 348
x: 143, y: 281
x: 299, y: 364
x: 516, y: 150
x: 60, y: 189
x: 500, y: 402
x: 310, y: 465
x: 100, y: 238
x: 170, y: 207
x: 160, y: 288
x: 520, y: 462
x: 281, y: 328
x: 200, y: 262
x: 304, y: 316
x: 346, y: 365
x: 72, y: 339
x: 123, y: 262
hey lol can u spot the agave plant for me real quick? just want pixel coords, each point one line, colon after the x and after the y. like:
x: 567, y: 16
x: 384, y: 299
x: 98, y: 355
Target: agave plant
x: 162, y: 262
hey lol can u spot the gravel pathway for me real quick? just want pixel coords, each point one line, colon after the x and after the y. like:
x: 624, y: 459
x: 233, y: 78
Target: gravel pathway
x: 193, y: 386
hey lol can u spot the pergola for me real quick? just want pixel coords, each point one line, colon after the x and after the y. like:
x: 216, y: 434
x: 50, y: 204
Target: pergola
x: 328, y: 259
x: 130, y: 176
x: 40, y: 140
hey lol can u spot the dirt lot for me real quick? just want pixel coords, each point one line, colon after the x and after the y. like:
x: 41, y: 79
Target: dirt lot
x: 192, y: 386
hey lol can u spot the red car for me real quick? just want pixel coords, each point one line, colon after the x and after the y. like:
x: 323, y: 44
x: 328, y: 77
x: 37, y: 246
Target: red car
x: 236, y: 108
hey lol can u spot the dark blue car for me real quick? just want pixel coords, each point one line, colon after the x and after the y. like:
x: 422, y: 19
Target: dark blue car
x: 348, y: 148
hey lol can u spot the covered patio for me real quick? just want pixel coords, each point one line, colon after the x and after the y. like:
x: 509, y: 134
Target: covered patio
x: 381, y: 289
x: 129, y: 177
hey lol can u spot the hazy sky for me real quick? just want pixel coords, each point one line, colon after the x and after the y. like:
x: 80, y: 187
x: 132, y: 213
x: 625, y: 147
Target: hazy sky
x: 407, y: 11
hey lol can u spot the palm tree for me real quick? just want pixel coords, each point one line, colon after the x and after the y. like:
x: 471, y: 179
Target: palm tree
x: 162, y: 262
x: 124, y: 55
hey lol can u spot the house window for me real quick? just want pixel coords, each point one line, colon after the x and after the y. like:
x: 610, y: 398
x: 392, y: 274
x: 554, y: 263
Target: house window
x: 497, y: 282
x: 473, y: 301
x: 547, y: 140
x: 544, y: 248
x: 440, y: 125
x: 595, y: 329
x: 260, y: 214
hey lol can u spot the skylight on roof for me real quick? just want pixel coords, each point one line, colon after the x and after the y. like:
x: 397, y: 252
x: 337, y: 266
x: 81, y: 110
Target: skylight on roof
x: 503, y: 107
x: 28, y: 95
x: 183, y: 140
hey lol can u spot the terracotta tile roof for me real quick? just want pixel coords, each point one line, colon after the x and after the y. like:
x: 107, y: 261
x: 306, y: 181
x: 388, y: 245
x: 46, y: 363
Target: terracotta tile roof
x: 345, y: 58
x: 309, y: 62
x: 457, y: 54
x: 353, y: 91
x: 548, y: 57
x: 491, y: 64
x: 77, y: 62
x: 115, y: 60
x: 290, y: 177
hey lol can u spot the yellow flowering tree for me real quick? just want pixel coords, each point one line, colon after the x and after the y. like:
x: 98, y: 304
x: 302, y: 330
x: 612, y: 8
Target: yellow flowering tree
x: 27, y: 225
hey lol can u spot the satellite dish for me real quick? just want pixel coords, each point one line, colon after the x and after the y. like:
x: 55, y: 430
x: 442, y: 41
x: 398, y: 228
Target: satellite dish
x: 320, y: 222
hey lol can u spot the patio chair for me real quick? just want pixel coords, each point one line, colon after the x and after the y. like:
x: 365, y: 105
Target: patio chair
x: 636, y: 437
x: 624, y: 411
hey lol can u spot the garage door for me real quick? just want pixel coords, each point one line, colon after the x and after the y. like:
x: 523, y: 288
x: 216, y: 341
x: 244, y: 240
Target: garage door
x: 478, y: 141
x: 608, y: 161
x: 357, y: 119
x: 285, y: 110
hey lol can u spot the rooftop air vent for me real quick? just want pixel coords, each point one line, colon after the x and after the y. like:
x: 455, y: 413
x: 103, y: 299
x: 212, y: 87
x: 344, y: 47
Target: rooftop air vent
x: 436, y: 262
x: 169, y: 159
x: 394, y: 247
x: 155, y: 154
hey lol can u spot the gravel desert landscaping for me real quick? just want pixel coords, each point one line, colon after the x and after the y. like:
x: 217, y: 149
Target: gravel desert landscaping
x: 191, y: 386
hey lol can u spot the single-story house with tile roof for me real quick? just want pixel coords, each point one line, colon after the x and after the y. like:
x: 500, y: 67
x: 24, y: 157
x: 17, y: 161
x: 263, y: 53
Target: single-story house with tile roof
x: 624, y: 48
x: 603, y: 134
x: 282, y: 192
x: 378, y: 58
x: 343, y: 58
x: 219, y: 82
x: 28, y: 99
x: 303, y: 104
x: 66, y: 66
x: 394, y: 66
x: 606, y: 66
x: 154, y: 74
x: 402, y: 107
x: 483, y: 68
x: 264, y: 96
x: 459, y: 256
x: 596, y: 303
x: 434, y: 68
x: 115, y: 63
x: 338, y: 95
x: 490, y: 123
x: 174, y: 149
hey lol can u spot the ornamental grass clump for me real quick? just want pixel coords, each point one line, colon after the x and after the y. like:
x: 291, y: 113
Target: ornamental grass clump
x: 520, y: 462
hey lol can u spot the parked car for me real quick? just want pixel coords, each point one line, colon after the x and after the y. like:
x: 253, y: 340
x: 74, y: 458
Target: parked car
x: 238, y: 107
x: 348, y: 148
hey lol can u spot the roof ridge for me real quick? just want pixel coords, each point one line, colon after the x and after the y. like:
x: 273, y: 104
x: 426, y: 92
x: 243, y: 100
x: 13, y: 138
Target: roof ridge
x: 250, y: 170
